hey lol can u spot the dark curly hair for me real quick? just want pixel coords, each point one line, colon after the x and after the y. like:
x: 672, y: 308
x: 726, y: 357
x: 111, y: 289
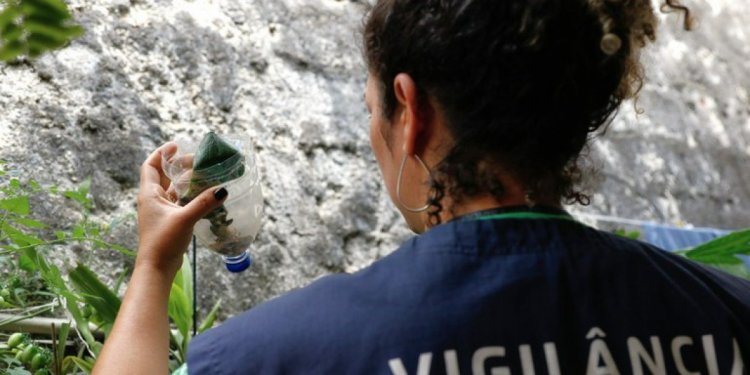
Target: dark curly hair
x: 522, y: 83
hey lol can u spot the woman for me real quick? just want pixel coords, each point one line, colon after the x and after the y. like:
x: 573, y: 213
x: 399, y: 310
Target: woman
x: 480, y: 110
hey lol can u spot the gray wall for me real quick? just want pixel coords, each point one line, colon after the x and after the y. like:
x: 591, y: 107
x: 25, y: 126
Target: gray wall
x: 288, y: 73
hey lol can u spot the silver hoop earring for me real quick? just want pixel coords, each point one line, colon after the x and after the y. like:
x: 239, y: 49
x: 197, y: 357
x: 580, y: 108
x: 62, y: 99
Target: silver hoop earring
x: 398, y: 185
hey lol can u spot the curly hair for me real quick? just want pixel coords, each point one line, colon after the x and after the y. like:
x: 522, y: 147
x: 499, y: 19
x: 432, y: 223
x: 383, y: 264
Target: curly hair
x: 522, y: 83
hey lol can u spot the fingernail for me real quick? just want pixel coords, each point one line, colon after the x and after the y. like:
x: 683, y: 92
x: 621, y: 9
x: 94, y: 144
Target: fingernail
x: 221, y: 194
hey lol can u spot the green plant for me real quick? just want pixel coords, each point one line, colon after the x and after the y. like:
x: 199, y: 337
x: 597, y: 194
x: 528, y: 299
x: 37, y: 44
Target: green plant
x: 32, y: 27
x: 633, y: 234
x: 25, y: 244
x: 181, y: 313
x: 723, y: 253
x: 20, y: 355
x: 19, y: 290
x: 36, y: 286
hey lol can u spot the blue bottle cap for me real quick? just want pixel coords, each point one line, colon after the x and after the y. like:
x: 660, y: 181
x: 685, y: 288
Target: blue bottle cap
x: 239, y: 263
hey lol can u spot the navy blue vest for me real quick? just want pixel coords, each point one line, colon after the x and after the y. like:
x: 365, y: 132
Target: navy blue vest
x: 513, y: 296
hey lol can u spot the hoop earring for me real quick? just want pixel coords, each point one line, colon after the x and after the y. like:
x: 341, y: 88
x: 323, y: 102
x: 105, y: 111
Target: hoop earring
x: 398, y: 186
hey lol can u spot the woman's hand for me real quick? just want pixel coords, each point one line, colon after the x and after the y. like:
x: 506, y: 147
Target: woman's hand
x: 165, y: 228
x: 139, y: 341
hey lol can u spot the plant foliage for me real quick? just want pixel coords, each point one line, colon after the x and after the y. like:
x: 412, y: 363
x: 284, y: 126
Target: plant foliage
x: 724, y: 253
x: 33, y: 285
x: 32, y: 27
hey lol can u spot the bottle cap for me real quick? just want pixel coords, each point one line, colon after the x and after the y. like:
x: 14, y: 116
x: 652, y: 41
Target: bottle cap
x: 239, y: 263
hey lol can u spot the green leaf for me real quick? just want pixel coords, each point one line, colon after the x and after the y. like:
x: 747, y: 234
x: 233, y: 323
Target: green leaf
x: 81, y: 195
x: 209, y: 321
x: 739, y: 270
x: 9, y: 248
x: 723, y: 250
x: 33, y: 27
x: 43, y: 42
x: 86, y: 365
x: 85, y: 186
x: 184, y: 279
x: 11, y: 50
x: 79, y: 231
x: 34, y: 185
x: 60, y: 235
x: 181, y: 298
x: 97, y: 294
x: 215, y: 162
x: 8, y: 16
x: 17, y: 371
x: 121, y: 249
x: 17, y: 205
x: 20, y: 238
x: 40, y: 14
x: 50, y: 273
x: 26, y: 263
x: 82, y: 324
x: 62, y: 338
x: 55, y: 6
x: 30, y: 223
x: 212, y: 150
x: 633, y: 235
x: 11, y: 362
x: 12, y: 32
x: 180, y: 310
x: 78, y: 197
x: 53, y: 32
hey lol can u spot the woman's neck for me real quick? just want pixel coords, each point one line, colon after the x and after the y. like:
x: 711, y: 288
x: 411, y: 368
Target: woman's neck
x: 487, y: 202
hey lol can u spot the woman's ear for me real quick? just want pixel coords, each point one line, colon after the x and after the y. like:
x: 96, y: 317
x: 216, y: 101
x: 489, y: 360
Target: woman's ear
x: 408, y: 116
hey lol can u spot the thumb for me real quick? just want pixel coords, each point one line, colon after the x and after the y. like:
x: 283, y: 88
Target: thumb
x: 206, y: 202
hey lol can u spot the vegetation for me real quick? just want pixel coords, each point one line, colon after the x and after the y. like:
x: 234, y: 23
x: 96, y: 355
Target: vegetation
x: 722, y: 253
x: 36, y: 286
x: 29, y: 28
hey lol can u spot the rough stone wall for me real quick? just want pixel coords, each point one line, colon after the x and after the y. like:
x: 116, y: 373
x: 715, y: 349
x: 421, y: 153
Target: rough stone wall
x: 289, y: 74
x: 686, y: 158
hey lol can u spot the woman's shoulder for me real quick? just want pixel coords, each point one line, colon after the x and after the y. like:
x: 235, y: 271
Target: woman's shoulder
x: 295, y: 329
x: 432, y: 280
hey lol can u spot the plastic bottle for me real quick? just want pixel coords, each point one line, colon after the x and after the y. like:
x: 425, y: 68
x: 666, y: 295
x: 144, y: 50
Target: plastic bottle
x: 230, y: 229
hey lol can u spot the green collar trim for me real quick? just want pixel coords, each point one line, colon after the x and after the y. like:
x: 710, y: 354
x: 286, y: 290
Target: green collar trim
x: 526, y: 215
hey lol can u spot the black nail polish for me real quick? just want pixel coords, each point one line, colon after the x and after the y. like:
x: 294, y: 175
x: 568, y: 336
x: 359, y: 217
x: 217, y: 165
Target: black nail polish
x: 221, y: 194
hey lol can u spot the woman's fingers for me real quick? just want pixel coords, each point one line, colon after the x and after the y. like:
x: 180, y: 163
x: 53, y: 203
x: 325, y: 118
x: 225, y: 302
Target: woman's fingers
x: 167, y: 150
x: 206, y: 202
x: 180, y: 169
x: 172, y: 194
x: 151, y: 169
x: 186, y: 161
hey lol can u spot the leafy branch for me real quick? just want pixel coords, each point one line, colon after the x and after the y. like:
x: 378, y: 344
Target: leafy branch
x: 33, y: 27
